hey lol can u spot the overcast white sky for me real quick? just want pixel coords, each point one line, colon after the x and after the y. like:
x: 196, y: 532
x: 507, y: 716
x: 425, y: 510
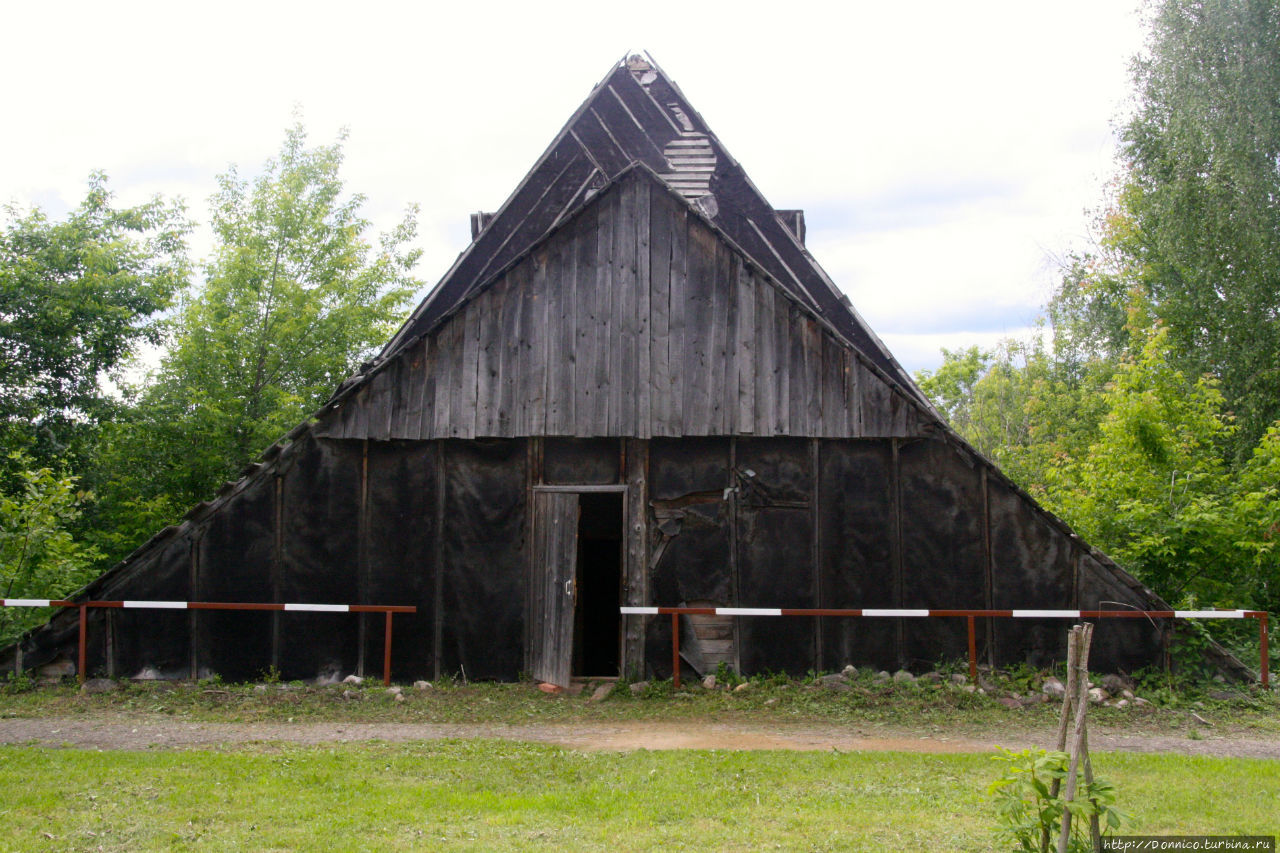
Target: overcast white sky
x: 944, y: 152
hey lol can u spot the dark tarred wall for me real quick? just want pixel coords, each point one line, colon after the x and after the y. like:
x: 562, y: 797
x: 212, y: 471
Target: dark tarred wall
x: 763, y: 522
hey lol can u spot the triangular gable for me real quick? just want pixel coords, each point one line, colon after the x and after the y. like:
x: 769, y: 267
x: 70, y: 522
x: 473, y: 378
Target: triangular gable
x: 636, y: 114
x: 634, y: 317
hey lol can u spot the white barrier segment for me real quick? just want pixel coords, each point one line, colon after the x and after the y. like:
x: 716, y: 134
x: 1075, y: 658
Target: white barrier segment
x: 639, y: 611
x: 156, y: 605
x: 1046, y: 614
x: 867, y: 611
x: 26, y: 602
x: 320, y: 608
x: 1209, y: 614
x: 748, y: 611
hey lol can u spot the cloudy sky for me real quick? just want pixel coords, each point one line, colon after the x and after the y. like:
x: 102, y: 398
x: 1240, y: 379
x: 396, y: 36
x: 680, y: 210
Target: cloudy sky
x: 945, y: 153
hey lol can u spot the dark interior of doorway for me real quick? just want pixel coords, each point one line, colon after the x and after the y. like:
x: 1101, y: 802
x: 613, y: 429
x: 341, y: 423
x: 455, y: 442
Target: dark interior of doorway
x: 597, y: 622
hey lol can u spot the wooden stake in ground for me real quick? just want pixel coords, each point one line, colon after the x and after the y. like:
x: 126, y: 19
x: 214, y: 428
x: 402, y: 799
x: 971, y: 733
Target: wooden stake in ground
x: 1078, y: 676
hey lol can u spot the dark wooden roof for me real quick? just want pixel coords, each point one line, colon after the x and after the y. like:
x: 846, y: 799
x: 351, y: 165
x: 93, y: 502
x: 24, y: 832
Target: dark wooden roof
x: 636, y: 114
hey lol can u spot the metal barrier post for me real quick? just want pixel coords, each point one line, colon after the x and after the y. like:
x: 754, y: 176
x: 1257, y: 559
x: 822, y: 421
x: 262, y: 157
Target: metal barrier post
x: 386, y: 654
x: 84, y: 624
x: 675, y: 650
x: 973, y: 653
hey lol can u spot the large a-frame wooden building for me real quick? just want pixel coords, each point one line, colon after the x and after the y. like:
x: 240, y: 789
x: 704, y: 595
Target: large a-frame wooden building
x: 635, y: 387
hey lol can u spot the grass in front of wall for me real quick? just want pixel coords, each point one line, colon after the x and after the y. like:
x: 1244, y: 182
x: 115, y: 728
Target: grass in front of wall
x: 922, y: 706
x: 496, y: 795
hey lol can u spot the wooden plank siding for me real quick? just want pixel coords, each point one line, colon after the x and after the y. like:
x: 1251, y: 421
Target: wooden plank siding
x: 635, y: 319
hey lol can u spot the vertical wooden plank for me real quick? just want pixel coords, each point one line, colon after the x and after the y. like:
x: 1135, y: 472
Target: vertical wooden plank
x: 526, y: 378
x: 536, y: 399
x: 644, y: 339
x: 388, y: 392
x: 834, y: 421
x: 426, y: 414
x: 488, y: 307
x: 766, y: 353
x: 660, y: 314
x: 744, y: 349
x: 813, y: 338
x: 635, y: 590
x: 509, y: 361
x: 568, y: 330
x: 798, y: 378
x: 466, y: 416
x: 407, y: 424
x: 582, y: 314
x: 401, y: 394
x: 678, y: 319
x: 696, y: 364
x: 853, y: 393
x: 380, y: 423
x: 558, y: 304
x: 622, y: 369
x: 718, y: 390
x: 782, y: 308
x: 601, y: 349
x: 442, y: 373
x: 359, y: 423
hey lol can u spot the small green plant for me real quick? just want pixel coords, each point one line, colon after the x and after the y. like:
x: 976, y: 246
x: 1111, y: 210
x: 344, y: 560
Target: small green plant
x: 726, y: 675
x: 1021, y: 678
x: 270, y: 675
x: 18, y: 682
x: 1027, y: 809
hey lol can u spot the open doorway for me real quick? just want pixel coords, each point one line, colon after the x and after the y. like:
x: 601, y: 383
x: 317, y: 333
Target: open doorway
x: 597, y: 625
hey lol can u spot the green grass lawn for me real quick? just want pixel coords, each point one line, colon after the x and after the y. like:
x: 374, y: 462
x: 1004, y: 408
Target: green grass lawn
x: 487, y: 795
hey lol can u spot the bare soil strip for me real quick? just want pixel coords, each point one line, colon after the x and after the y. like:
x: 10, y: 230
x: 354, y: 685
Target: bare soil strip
x: 150, y: 731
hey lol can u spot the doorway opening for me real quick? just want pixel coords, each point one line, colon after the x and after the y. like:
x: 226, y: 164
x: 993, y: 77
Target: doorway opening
x: 597, y: 623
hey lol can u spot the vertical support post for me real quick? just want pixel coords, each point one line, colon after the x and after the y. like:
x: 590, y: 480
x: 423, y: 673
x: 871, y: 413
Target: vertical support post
x: 386, y: 653
x: 675, y: 650
x: 84, y: 630
x: 973, y: 652
x: 1265, y: 667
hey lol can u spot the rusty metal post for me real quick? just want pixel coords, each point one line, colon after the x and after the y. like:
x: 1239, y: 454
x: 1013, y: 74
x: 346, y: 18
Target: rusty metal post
x: 1265, y: 668
x: 386, y: 654
x: 84, y: 629
x: 973, y: 652
x: 675, y: 650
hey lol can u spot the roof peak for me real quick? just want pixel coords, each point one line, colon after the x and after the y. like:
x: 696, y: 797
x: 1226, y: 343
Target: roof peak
x: 636, y: 114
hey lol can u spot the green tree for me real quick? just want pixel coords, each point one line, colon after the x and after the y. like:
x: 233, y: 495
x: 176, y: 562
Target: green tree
x: 950, y: 387
x: 295, y: 298
x: 1154, y: 491
x: 76, y: 297
x: 39, y: 557
x: 1203, y: 190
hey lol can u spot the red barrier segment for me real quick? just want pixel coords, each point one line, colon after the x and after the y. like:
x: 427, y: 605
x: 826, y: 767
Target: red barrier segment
x: 969, y: 615
x: 83, y: 606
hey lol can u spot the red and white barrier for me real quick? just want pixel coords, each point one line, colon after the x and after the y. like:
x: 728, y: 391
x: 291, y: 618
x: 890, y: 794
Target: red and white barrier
x: 970, y: 615
x: 83, y: 606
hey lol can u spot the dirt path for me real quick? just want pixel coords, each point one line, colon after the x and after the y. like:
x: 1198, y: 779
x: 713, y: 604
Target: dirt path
x: 147, y: 731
